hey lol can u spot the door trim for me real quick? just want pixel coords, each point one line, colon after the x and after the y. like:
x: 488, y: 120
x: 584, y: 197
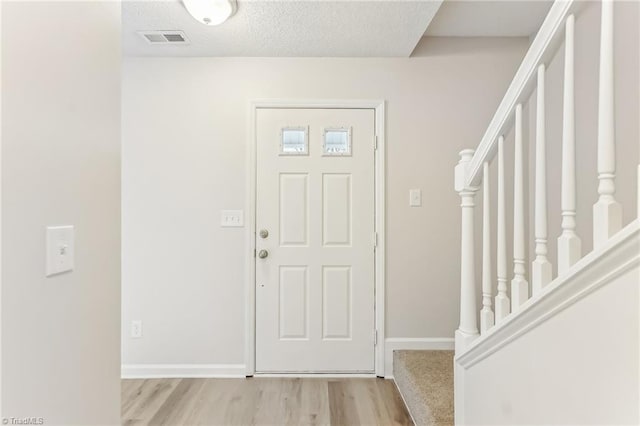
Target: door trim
x: 250, y: 203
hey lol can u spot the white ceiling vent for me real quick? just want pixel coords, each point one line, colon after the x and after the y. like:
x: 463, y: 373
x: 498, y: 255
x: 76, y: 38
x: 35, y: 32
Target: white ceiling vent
x: 164, y: 37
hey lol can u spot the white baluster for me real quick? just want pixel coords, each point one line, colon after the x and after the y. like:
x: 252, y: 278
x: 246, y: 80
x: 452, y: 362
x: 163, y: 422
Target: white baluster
x: 569, y: 244
x: 502, y: 299
x: 541, y: 268
x: 607, y: 212
x: 486, y: 314
x: 519, y: 284
x: 468, y: 329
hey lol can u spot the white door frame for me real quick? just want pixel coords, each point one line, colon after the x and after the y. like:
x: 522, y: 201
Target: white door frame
x: 250, y: 203
x: 1, y: 411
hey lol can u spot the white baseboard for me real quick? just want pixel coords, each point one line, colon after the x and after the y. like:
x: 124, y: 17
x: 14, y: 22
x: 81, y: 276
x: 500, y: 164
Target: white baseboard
x: 152, y: 371
x: 412, y: 343
x: 157, y: 371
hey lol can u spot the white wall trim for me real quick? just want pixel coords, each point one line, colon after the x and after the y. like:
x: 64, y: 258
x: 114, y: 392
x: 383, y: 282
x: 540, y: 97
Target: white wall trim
x: 250, y: 208
x: 159, y: 371
x: 413, y: 343
x: 1, y: 412
x: 381, y: 251
x: 595, y: 270
x: 250, y: 244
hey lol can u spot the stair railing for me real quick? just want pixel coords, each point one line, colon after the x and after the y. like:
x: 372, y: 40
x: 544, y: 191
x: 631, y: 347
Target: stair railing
x: 473, y: 170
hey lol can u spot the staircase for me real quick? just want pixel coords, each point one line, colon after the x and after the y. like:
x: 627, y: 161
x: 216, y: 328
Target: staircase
x: 556, y: 337
x: 425, y: 381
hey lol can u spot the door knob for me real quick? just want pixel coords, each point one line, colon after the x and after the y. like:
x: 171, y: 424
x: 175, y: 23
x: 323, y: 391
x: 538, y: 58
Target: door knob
x: 262, y: 254
x: 264, y: 233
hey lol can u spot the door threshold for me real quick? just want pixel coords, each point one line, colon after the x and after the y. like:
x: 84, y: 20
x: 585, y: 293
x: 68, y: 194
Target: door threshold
x: 319, y: 375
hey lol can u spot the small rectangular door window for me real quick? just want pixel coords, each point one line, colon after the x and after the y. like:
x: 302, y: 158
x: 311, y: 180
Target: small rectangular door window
x: 294, y: 141
x: 337, y: 142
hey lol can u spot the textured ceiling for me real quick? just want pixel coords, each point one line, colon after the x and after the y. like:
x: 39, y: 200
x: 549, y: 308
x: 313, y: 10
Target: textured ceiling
x: 285, y: 28
x: 480, y: 18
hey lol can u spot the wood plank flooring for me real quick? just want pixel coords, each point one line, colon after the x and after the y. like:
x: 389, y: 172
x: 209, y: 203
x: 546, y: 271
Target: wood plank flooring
x: 262, y: 401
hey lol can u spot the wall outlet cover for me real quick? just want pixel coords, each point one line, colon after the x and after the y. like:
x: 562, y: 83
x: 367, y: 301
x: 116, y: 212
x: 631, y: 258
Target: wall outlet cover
x: 136, y: 329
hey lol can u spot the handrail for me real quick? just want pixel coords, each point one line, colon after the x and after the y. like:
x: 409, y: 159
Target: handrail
x: 542, y: 50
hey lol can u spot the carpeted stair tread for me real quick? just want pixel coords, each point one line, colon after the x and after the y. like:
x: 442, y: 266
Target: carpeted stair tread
x: 425, y: 380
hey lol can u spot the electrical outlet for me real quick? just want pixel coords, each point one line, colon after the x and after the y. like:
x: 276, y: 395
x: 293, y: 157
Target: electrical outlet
x: 136, y: 329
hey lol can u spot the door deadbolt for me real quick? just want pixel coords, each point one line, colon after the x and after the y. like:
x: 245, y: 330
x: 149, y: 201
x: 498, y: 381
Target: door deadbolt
x: 263, y: 254
x: 264, y: 233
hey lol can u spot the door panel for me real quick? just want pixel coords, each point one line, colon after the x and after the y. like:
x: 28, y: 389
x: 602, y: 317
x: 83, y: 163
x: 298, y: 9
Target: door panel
x: 315, y: 286
x: 336, y: 209
x: 294, y: 207
x: 293, y: 302
x: 336, y: 302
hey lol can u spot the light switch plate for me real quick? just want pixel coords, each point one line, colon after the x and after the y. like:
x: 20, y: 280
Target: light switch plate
x: 415, y: 197
x: 60, y: 249
x: 231, y: 218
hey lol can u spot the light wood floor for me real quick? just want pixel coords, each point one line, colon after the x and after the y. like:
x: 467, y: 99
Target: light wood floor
x: 262, y: 401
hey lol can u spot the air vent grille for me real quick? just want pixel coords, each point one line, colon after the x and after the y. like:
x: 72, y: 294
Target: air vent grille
x: 164, y: 37
x: 174, y: 37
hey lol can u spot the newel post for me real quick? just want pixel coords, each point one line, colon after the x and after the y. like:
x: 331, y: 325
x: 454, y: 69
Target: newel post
x: 468, y: 329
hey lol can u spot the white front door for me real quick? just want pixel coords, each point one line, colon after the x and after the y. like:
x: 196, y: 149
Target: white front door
x: 315, y: 240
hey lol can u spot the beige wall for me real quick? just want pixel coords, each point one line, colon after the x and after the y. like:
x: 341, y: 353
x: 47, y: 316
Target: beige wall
x: 61, y: 165
x: 185, y: 130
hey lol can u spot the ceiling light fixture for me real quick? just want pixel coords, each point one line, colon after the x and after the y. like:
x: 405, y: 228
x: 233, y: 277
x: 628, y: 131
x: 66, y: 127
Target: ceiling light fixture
x: 210, y: 12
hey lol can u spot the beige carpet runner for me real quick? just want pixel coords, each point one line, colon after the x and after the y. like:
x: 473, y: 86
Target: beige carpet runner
x: 425, y: 380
